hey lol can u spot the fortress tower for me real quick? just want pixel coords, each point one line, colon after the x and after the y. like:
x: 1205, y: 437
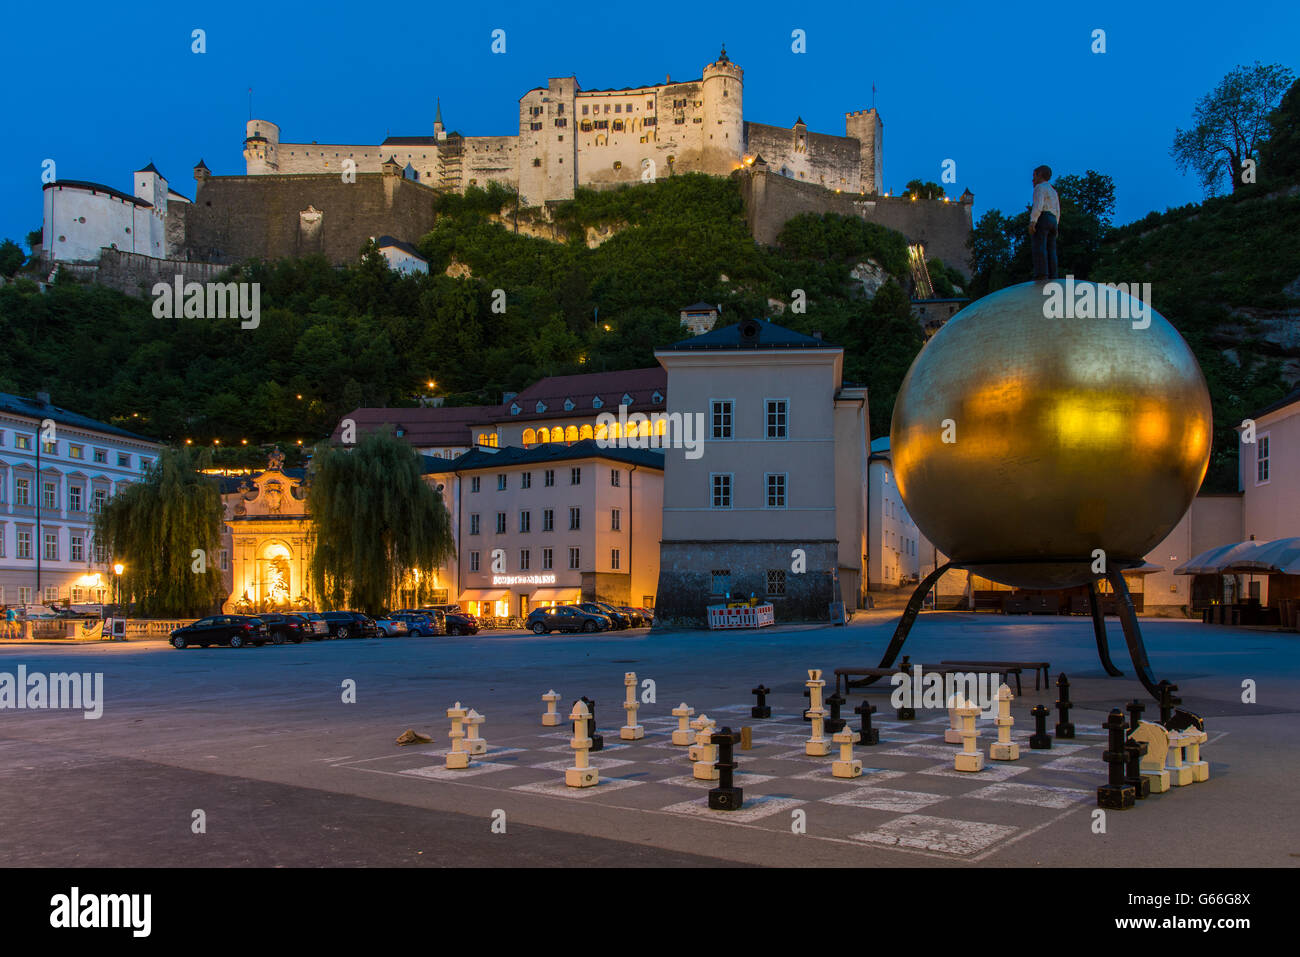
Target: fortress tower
x: 261, y: 147
x: 723, y: 135
x: 867, y: 128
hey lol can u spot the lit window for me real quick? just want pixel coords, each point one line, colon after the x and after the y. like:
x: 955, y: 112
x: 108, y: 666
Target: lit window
x: 586, y: 432
x: 530, y: 437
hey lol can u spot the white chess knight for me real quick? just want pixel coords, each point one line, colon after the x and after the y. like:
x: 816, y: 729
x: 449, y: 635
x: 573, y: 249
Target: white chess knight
x: 457, y: 757
x: 1152, y: 764
x: 582, y: 774
x: 683, y: 736
x: 704, y: 753
x: 969, y: 758
x: 631, y: 731
x: 1003, y: 749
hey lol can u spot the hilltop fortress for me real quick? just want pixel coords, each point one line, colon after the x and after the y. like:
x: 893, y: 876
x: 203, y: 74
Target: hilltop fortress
x: 570, y: 137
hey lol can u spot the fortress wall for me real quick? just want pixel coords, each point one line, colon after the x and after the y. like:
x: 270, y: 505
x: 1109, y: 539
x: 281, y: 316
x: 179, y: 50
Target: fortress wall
x: 237, y: 217
x: 771, y: 200
x: 829, y: 161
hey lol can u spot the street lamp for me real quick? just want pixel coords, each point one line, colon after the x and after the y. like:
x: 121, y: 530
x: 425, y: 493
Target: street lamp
x: 117, y: 583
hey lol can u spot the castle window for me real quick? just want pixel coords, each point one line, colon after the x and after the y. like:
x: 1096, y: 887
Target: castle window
x: 628, y: 109
x: 586, y: 126
x: 648, y: 121
x: 618, y: 107
x: 618, y: 164
x: 559, y: 108
x: 618, y: 126
x: 584, y: 109
x: 562, y: 122
x: 649, y: 104
x: 537, y: 162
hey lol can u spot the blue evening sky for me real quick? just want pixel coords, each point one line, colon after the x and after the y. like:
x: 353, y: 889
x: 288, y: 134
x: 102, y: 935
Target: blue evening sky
x: 998, y: 87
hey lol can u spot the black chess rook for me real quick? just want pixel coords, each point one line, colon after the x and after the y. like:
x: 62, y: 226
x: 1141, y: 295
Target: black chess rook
x: 726, y: 796
x: 1133, y: 776
x: 762, y: 709
x: 867, y: 735
x: 1064, y: 729
x: 1116, y: 794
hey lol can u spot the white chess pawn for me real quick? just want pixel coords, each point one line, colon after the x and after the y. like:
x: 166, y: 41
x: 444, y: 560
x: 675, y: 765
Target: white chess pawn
x: 969, y: 758
x: 1003, y: 749
x: 703, y: 753
x: 457, y: 757
x: 1180, y: 772
x: 847, y: 766
x: 473, y: 743
x: 1200, y: 769
x: 631, y: 731
x: 551, y: 719
x: 683, y: 736
x: 582, y: 774
x: 952, y: 734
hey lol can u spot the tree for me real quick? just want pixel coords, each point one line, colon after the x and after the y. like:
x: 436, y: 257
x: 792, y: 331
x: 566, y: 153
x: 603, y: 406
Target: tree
x: 1279, y: 155
x: 376, y: 523
x: 926, y: 190
x: 1229, y: 124
x: 166, y: 530
x: 12, y: 257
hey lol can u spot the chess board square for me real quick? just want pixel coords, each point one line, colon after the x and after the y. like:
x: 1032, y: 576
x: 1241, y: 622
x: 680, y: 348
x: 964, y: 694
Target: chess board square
x: 1035, y: 795
x: 938, y: 834
x: 993, y: 771
x: 925, y: 750
x: 755, y: 808
x: 743, y: 780
x: 560, y: 789
x: 1077, y: 765
x: 886, y: 799
x: 869, y: 776
x: 439, y: 773
x: 598, y: 761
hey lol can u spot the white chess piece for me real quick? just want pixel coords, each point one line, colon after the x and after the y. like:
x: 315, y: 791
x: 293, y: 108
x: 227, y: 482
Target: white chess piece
x: 551, y: 719
x: 952, y: 734
x: 1180, y: 772
x: 847, y: 766
x: 703, y: 753
x: 1003, y: 749
x: 1200, y: 769
x: 582, y: 774
x: 457, y: 757
x: 816, y: 745
x: 683, y: 736
x: 969, y: 758
x: 1152, y: 765
x: 631, y: 731
x: 473, y: 743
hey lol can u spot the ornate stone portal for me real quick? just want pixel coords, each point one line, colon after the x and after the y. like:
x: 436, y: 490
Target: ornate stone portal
x: 270, y: 540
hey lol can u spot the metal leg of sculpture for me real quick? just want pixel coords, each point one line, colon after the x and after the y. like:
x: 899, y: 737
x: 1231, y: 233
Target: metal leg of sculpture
x: 905, y: 623
x: 1099, y: 629
x: 1128, y: 619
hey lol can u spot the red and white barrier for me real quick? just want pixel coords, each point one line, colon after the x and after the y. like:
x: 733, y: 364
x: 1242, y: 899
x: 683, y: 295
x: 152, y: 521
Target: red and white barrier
x: 744, y: 616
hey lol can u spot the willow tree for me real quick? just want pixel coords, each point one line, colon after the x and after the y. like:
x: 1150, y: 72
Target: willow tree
x: 165, y: 530
x: 376, y: 522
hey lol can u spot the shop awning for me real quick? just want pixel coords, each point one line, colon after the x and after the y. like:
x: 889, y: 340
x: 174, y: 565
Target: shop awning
x: 484, y: 594
x: 556, y: 594
x: 1281, y: 555
x: 1224, y: 560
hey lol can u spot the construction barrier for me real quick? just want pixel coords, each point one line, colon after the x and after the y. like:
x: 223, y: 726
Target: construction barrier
x: 745, y: 616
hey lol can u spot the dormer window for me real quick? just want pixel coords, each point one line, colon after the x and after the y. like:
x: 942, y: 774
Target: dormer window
x: 400, y: 432
x: 657, y: 397
x: 627, y: 399
x: 514, y: 408
x: 568, y: 405
x: 596, y: 403
x: 541, y: 407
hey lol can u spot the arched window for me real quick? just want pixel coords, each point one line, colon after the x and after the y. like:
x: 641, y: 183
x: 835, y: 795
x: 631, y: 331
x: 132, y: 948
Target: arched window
x: 530, y: 437
x: 602, y: 432
x: 586, y: 433
x: 557, y: 434
x: 571, y: 434
x: 615, y: 430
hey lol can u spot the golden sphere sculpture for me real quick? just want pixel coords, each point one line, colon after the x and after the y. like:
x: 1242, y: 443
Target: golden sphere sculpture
x: 1028, y: 434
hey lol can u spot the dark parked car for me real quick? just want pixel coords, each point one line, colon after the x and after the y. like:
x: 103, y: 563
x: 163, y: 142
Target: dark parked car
x: 286, y: 627
x: 543, y: 621
x: 318, y: 627
x: 638, y: 617
x: 458, y: 624
x: 350, y: 624
x: 617, y: 619
x: 237, y: 631
x: 423, y: 623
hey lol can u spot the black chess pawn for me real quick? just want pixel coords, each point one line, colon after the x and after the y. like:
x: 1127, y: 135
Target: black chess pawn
x: 597, y: 740
x: 762, y: 709
x: 1115, y: 794
x: 1135, y: 709
x: 1133, y: 776
x: 867, y: 735
x: 907, y: 712
x: 1040, y: 740
x: 1167, y: 700
x: 835, y: 724
x: 1064, y: 728
x: 726, y: 796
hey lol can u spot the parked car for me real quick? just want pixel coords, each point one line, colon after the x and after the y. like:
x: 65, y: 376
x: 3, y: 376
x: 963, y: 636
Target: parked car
x: 458, y: 624
x: 319, y: 626
x: 565, y: 618
x: 286, y: 627
x: 617, y: 619
x: 350, y: 624
x: 454, y: 609
x: 638, y: 617
x: 237, y: 631
x: 392, y: 626
x: 424, y: 623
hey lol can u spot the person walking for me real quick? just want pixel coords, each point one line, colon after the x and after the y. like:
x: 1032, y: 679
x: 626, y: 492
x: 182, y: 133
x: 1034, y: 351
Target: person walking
x: 1044, y: 218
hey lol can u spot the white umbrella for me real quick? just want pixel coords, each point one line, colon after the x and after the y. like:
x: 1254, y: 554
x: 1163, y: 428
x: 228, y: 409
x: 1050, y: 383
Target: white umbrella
x: 1221, y: 560
x: 1282, y: 555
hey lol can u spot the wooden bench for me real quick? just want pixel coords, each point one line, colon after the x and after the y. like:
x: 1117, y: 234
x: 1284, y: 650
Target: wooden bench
x: 1040, y: 669
x: 866, y: 672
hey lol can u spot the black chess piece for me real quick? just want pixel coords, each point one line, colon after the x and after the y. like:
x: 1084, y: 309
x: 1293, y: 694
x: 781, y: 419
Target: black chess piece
x: 597, y: 740
x: 907, y: 712
x: 867, y: 735
x: 1116, y: 794
x: 1064, y: 728
x: 762, y: 709
x: 1133, y: 776
x: 1040, y: 740
x: 1135, y: 709
x: 726, y: 796
x: 1167, y: 701
x: 835, y: 724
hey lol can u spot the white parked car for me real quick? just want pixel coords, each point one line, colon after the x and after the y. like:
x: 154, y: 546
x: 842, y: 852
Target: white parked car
x: 392, y: 627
